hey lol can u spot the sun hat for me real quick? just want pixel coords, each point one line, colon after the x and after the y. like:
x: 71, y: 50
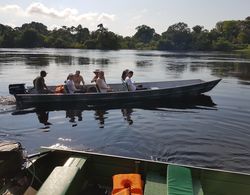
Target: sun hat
x: 96, y: 70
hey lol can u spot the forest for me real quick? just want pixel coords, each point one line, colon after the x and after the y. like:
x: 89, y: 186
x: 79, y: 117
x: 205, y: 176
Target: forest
x: 225, y: 36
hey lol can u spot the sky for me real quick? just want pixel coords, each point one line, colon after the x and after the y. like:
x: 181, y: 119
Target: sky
x: 122, y: 16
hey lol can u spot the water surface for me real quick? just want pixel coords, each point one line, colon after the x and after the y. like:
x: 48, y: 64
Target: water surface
x: 211, y: 131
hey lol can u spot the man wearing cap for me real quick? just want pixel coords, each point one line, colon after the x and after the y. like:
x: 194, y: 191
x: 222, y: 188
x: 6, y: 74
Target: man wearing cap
x: 39, y: 83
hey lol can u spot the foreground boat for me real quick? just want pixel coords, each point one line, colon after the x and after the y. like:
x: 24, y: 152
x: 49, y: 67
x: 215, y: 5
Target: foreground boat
x: 55, y: 171
x: 151, y: 91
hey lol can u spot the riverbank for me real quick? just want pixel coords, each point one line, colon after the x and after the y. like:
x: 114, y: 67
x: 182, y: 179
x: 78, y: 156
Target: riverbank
x: 245, y: 51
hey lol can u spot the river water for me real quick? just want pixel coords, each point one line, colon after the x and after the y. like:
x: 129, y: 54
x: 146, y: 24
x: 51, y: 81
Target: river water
x: 212, y: 131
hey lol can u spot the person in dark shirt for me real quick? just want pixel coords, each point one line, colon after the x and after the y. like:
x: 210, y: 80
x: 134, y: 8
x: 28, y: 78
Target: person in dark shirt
x: 39, y: 83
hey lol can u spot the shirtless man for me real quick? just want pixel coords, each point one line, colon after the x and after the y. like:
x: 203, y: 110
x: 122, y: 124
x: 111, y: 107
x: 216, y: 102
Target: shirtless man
x: 78, y: 79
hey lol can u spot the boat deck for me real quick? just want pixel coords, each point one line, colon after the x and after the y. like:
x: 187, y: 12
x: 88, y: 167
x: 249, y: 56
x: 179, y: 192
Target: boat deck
x: 97, y: 175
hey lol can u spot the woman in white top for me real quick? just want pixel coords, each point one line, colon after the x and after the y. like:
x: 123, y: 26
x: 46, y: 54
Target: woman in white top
x: 70, y: 84
x: 131, y: 86
x: 102, y: 85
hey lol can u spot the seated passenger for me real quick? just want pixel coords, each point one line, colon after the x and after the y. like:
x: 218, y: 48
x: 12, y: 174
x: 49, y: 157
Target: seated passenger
x: 123, y: 78
x: 131, y: 86
x: 124, y: 75
x: 39, y: 83
x: 101, y: 83
x: 78, y: 79
x: 70, y: 84
x: 96, y: 76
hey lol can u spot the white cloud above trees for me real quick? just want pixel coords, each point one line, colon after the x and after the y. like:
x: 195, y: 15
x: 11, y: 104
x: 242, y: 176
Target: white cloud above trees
x: 37, y: 9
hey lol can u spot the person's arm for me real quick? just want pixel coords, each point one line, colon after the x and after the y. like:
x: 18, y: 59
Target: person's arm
x: 94, y: 79
x: 44, y: 85
x: 82, y: 80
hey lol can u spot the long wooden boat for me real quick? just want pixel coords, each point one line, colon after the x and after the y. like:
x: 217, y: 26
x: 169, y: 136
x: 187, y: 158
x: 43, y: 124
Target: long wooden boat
x: 151, y: 91
x: 57, y: 171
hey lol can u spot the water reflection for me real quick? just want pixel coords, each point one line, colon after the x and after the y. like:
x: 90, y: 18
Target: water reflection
x: 100, y: 116
x: 144, y: 63
x: 127, y: 112
x: 70, y: 60
x: 83, y: 61
x: 64, y: 60
x: 74, y: 115
x: 238, y: 70
x: 197, y: 55
x: 74, y: 112
x: 176, y: 68
x: 101, y: 61
x: 43, y: 117
x: 220, y: 65
x: 36, y: 60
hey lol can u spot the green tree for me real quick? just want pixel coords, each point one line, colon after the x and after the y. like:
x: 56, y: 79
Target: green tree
x: 198, y: 29
x: 178, y: 35
x: 31, y: 38
x: 7, y: 36
x: 39, y: 27
x: 90, y: 44
x: 144, y: 34
x: 222, y: 45
x: 82, y: 34
x: 200, y: 39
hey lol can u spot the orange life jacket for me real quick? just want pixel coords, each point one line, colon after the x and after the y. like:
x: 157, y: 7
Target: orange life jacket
x: 132, y: 182
x: 59, y: 89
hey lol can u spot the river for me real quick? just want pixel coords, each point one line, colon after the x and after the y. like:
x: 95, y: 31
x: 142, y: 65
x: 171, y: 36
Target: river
x: 213, y: 131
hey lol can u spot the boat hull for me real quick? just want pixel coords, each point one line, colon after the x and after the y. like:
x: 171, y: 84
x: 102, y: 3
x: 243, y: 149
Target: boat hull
x: 163, y: 90
x: 54, y: 171
x: 154, y: 174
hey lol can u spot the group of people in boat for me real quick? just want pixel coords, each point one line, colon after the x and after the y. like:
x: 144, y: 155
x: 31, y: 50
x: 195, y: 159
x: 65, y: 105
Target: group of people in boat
x: 75, y: 82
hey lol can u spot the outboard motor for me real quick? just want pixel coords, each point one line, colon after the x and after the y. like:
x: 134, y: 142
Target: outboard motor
x: 11, y: 158
x: 17, y: 89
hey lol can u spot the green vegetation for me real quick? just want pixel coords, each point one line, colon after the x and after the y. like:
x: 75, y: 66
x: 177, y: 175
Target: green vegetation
x: 226, y: 36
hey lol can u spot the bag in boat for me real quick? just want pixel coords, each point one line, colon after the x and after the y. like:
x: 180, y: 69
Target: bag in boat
x: 59, y: 89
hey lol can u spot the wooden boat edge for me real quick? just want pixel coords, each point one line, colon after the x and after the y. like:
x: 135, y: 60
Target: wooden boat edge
x: 45, y: 149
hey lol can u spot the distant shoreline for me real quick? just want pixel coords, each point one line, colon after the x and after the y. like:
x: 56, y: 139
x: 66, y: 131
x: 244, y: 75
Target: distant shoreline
x: 229, y: 35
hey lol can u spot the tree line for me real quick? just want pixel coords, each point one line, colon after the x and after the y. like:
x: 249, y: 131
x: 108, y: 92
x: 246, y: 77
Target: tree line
x: 226, y: 36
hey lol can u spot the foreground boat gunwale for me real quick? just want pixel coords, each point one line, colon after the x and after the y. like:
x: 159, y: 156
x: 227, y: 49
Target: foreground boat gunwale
x: 45, y: 149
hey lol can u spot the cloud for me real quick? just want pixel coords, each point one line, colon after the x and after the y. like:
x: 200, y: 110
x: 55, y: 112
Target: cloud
x: 11, y: 9
x: 104, y: 16
x: 39, y: 8
x: 67, y: 14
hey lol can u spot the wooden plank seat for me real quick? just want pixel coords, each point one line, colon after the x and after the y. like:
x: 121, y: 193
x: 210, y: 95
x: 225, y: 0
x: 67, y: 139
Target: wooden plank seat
x: 179, y: 181
x: 155, y: 184
x: 65, y: 179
